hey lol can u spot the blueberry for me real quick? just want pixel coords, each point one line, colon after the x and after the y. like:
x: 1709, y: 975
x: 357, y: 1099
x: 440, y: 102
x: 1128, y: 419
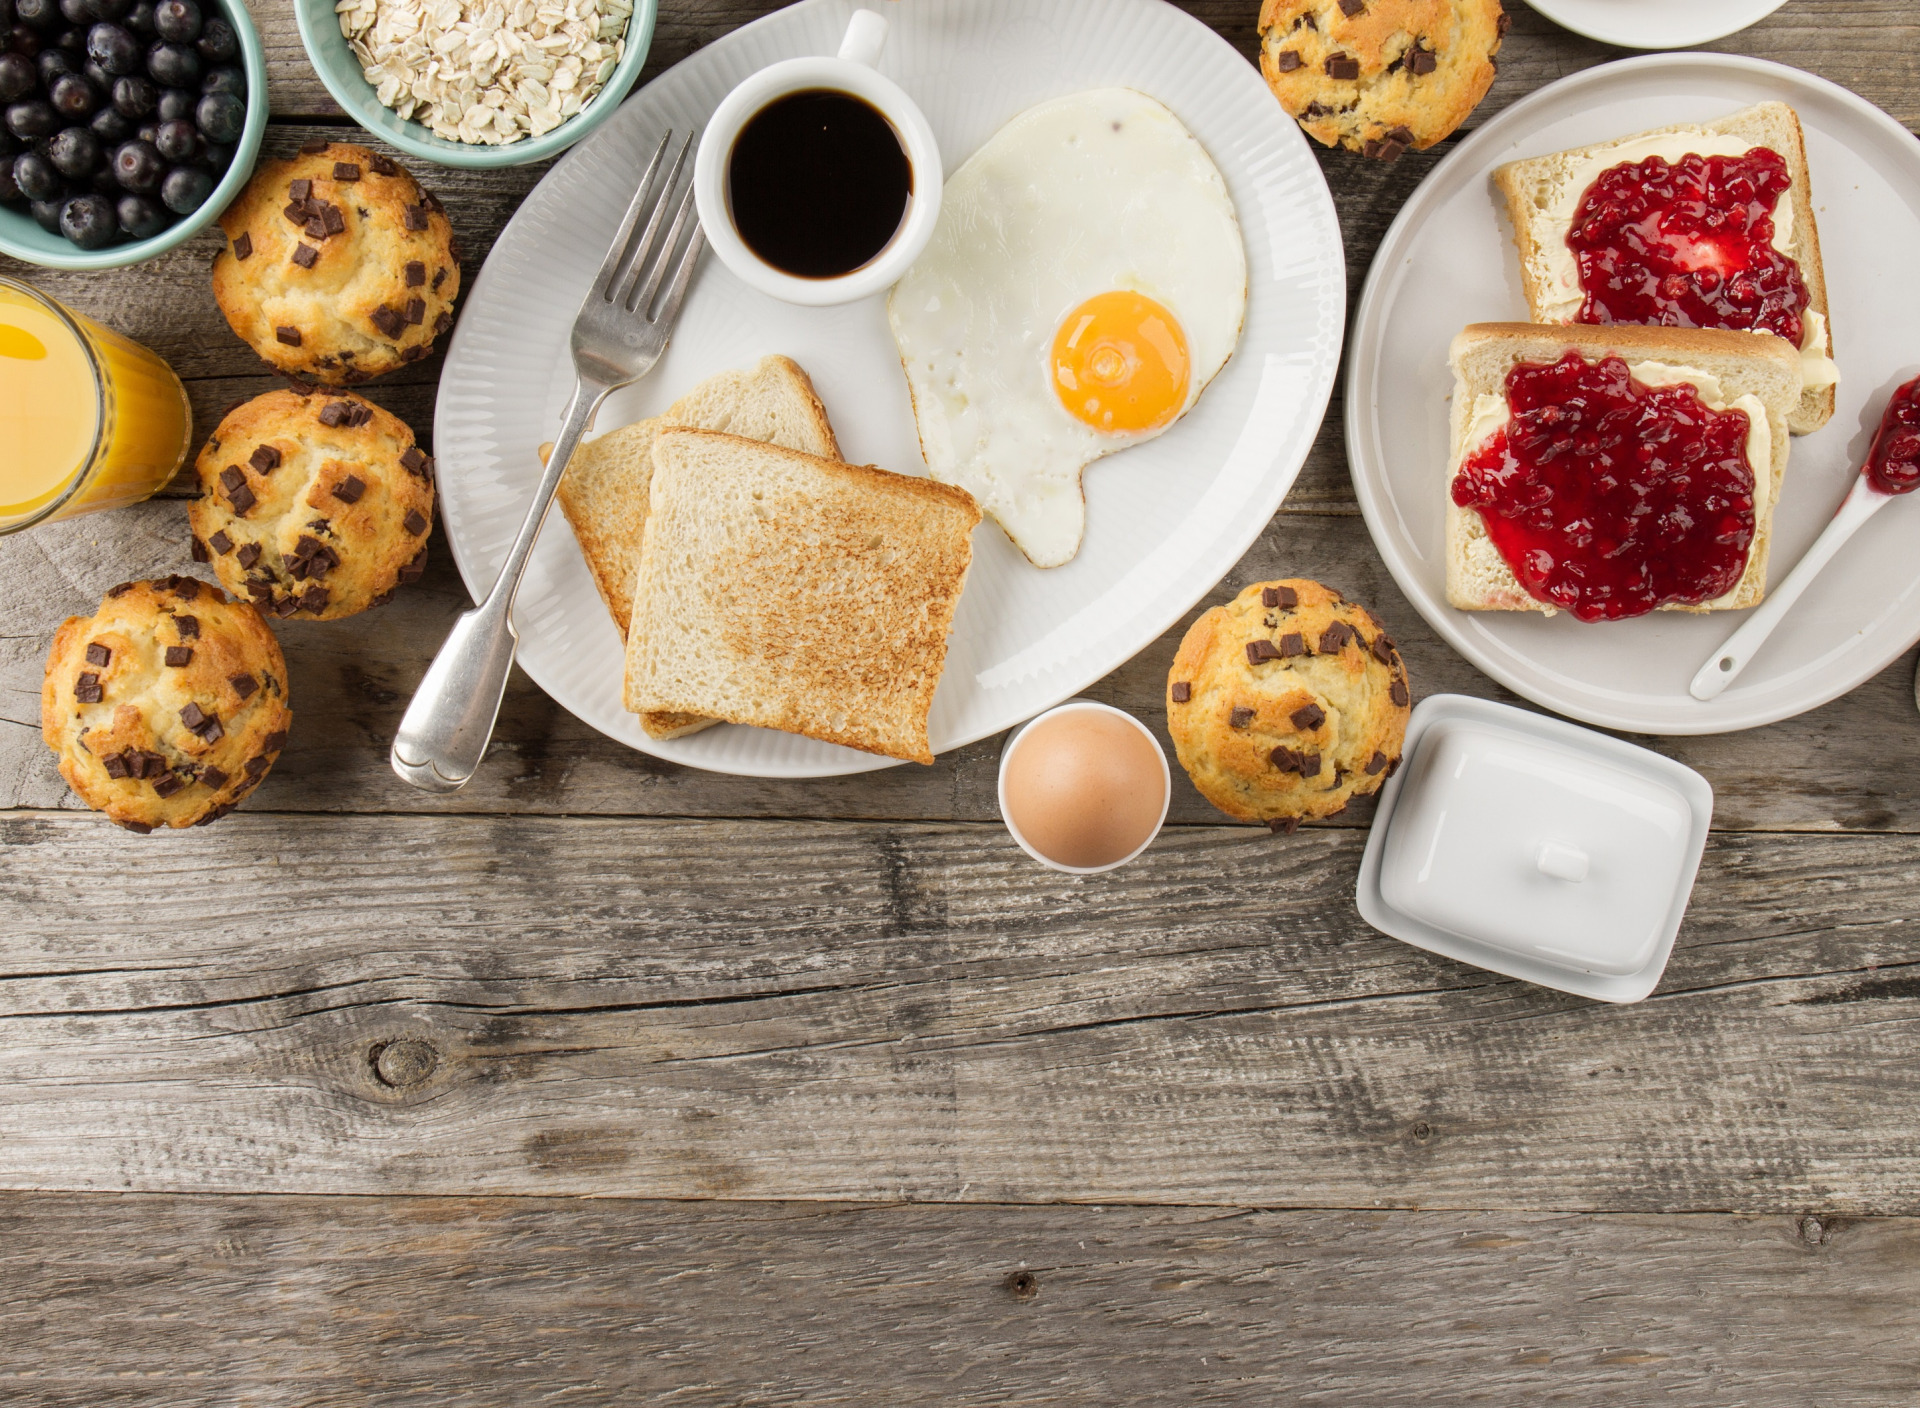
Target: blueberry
x: 146, y: 132
x: 179, y: 142
x: 228, y: 78
x: 90, y: 221
x: 113, y: 48
x: 98, y: 76
x: 177, y: 21
x: 110, y: 10
x: 140, y: 18
x: 75, y: 152
x: 111, y: 127
x: 10, y: 192
x: 75, y: 12
x: 32, y: 117
x: 186, y: 189
x: 141, y: 217
x: 135, y: 97
x: 176, y: 102
x: 46, y: 214
x: 36, y: 177
x: 36, y: 14
x: 52, y: 63
x: 18, y: 77
x: 219, y: 157
x: 218, y: 43
x: 73, y: 97
x: 138, y: 168
x: 174, y: 65
x: 221, y: 117
x: 24, y: 40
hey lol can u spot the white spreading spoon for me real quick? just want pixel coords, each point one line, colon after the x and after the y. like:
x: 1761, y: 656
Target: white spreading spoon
x: 1892, y: 469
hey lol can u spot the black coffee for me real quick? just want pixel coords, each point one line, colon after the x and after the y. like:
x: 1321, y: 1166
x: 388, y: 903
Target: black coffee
x: 818, y: 183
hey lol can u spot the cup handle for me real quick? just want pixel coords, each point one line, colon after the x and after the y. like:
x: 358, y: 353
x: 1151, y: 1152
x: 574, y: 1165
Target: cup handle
x: 866, y: 36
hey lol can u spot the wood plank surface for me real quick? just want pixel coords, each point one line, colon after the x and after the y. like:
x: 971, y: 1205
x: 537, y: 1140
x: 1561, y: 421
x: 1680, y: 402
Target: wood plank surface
x: 116, y: 1301
x: 787, y: 1010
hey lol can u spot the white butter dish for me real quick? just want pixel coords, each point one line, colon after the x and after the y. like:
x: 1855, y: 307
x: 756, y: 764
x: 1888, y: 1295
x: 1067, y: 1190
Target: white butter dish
x: 1536, y: 848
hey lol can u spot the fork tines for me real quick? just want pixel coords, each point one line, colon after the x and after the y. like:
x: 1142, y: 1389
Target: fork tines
x: 640, y: 262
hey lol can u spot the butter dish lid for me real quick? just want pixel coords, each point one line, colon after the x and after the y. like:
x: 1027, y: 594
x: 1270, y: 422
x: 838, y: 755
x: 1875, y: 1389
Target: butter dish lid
x: 1535, y: 848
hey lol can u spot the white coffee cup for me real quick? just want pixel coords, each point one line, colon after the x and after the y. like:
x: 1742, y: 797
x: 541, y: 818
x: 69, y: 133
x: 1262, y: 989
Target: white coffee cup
x: 850, y: 71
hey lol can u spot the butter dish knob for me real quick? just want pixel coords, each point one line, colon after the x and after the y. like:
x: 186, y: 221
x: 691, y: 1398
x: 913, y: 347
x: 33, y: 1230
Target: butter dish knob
x: 1563, y: 862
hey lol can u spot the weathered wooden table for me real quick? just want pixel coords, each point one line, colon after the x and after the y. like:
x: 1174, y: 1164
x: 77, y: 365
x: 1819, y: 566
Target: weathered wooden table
x: 605, y: 1079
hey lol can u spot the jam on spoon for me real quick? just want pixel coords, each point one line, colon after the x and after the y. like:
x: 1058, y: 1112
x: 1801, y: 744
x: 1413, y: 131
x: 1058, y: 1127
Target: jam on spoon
x: 1893, y: 464
x: 1688, y: 244
x: 1607, y: 497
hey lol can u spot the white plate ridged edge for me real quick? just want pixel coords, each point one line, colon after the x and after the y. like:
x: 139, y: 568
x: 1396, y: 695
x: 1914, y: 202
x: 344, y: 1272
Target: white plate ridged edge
x: 1656, y: 24
x: 1166, y: 519
x: 1838, y: 636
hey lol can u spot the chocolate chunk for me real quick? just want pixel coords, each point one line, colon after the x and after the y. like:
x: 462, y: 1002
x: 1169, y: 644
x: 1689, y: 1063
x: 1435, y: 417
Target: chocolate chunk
x: 1340, y: 66
x: 1309, y: 716
x: 350, y: 489
x: 1285, y: 598
x: 1286, y: 760
x: 138, y: 828
x: 335, y: 412
x: 414, y: 354
x: 1240, y: 717
x: 413, y: 461
x: 314, y: 146
x: 383, y: 165
x: 211, y: 817
x: 360, y: 415
x: 98, y: 654
x: 243, y: 246
x: 1309, y: 765
x: 197, y: 550
x: 1335, y: 637
x: 300, y: 190
x: 87, y: 688
x: 1260, y: 650
x: 415, y: 217
x: 178, y: 655
x: 167, y: 784
x: 315, y: 228
x: 346, y: 171
x: 260, y: 589
x: 295, y: 212
x: 264, y: 459
x: 258, y: 764
x: 438, y: 275
x: 152, y: 764
x: 244, y: 686
x: 186, y: 588
x: 274, y: 741
x: 213, y: 778
x: 1404, y: 136
x: 120, y: 590
x: 1283, y: 825
x: 1286, y: 61
x: 414, y: 523
x: 1182, y: 691
x: 388, y: 321
x: 242, y: 500
x: 441, y: 322
x: 1291, y: 644
x: 333, y: 219
x: 1422, y: 61
x: 1398, y: 693
x: 290, y: 336
x: 231, y: 478
x: 299, y: 387
x: 1394, y: 766
x: 212, y: 733
x: 285, y: 607
x: 193, y: 716
x: 116, y: 765
x: 1503, y: 24
x: 314, y: 599
x: 305, y: 255
x: 384, y: 597
x: 1383, y: 151
x: 188, y: 626
x: 416, y: 273
x: 414, y: 569
x: 249, y: 554
x: 1375, y: 763
x: 1350, y: 8
x: 416, y: 311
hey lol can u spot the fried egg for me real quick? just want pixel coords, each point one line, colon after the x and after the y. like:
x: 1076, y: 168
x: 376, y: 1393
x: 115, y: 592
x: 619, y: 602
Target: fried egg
x: 1085, y: 282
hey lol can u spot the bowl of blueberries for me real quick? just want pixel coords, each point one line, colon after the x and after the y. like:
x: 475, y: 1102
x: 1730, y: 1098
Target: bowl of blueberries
x: 126, y: 126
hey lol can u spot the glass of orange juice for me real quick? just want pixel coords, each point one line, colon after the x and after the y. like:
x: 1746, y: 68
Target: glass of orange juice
x: 88, y: 419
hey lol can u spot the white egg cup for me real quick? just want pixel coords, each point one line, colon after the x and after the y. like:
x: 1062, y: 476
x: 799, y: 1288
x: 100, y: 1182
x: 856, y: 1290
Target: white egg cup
x: 850, y: 71
x: 1086, y: 706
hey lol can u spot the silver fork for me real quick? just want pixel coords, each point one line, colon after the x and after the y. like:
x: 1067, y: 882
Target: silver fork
x: 618, y: 335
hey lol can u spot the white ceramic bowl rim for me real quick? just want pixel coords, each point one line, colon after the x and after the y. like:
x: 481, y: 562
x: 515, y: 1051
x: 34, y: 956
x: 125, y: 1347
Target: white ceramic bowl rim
x: 799, y: 75
x: 1090, y: 706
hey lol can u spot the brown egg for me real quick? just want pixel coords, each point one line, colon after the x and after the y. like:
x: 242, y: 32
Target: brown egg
x: 1085, y: 787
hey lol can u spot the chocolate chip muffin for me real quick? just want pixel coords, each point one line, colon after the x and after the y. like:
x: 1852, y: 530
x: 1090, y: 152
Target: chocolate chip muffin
x: 1287, y: 702
x: 166, y: 706
x: 1379, y: 76
x: 314, y: 505
x: 338, y: 267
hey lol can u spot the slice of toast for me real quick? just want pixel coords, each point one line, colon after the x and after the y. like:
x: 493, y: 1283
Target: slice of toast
x: 792, y: 592
x: 604, y: 492
x: 1543, y: 192
x: 1757, y: 364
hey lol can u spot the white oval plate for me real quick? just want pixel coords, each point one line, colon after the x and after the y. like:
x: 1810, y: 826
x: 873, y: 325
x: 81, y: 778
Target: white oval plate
x: 1448, y: 260
x: 1656, y: 24
x: 1165, y: 520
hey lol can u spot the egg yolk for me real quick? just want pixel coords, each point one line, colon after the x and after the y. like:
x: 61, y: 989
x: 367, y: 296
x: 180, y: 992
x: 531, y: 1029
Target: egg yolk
x: 1120, y: 363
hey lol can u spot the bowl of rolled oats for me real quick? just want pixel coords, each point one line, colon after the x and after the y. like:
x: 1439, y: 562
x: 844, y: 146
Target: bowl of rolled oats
x: 478, y: 83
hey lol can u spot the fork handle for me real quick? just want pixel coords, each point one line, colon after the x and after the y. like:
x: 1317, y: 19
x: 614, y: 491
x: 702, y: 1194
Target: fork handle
x: 447, y: 726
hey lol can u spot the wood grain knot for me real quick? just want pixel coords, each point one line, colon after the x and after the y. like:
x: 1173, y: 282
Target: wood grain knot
x: 1421, y: 1133
x: 399, y: 1064
x: 1815, y: 1232
x: 1022, y: 1285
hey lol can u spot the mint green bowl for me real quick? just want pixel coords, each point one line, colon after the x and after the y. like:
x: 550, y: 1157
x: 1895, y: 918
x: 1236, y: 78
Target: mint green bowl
x: 21, y: 237
x: 327, y: 51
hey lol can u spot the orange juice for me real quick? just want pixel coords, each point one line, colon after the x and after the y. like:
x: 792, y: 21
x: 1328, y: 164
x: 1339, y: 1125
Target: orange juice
x: 88, y: 418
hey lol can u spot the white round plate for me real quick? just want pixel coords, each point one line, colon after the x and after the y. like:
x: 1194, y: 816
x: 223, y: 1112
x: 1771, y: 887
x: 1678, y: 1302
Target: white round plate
x: 1656, y: 24
x: 1449, y: 260
x: 1165, y: 520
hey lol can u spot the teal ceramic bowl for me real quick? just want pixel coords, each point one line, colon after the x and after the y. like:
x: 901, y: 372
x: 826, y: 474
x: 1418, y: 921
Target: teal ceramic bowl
x: 327, y: 51
x: 21, y: 237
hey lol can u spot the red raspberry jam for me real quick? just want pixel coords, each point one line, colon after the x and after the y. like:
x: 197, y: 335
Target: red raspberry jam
x: 1893, y: 464
x: 1688, y: 245
x: 1608, y: 498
